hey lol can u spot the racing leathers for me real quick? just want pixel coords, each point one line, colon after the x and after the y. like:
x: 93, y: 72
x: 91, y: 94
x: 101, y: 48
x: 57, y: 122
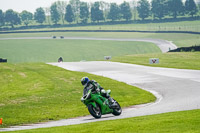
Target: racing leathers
x: 94, y: 86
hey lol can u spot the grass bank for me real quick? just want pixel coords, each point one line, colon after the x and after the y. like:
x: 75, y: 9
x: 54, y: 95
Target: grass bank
x: 180, y: 39
x: 50, y: 50
x: 175, y: 122
x: 154, y: 26
x: 181, y: 60
x: 38, y: 92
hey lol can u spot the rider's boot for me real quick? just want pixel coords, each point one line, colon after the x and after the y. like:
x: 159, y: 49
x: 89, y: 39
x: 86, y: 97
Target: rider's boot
x: 112, y: 103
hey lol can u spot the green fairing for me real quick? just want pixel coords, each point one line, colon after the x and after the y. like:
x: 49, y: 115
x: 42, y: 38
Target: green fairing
x: 99, y: 105
x: 101, y: 101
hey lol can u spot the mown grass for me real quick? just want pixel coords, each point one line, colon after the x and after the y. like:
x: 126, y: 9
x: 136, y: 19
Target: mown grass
x: 174, y: 122
x: 180, y: 39
x: 181, y: 60
x: 160, y: 26
x: 50, y: 50
x: 37, y: 92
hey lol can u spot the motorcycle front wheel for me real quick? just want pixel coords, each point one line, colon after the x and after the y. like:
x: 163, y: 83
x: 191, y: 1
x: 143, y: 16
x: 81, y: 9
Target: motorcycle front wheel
x: 95, y: 112
x: 117, y: 111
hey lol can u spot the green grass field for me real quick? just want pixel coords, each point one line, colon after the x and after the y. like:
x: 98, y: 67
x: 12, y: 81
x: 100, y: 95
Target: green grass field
x: 38, y: 92
x: 165, y: 26
x: 174, y: 122
x: 181, y: 60
x: 77, y: 50
x: 168, y: 26
x: 180, y: 39
x: 71, y: 50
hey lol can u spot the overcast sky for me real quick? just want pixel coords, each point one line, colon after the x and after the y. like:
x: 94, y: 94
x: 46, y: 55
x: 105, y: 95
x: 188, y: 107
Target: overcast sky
x: 31, y: 5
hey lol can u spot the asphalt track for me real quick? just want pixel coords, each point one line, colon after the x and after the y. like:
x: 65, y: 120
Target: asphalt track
x: 175, y: 89
x: 164, y: 45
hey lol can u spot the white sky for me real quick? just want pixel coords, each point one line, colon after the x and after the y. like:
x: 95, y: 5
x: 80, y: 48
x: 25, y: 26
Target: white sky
x: 31, y: 5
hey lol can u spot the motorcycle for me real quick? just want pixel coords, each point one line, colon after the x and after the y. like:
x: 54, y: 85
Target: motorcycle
x: 98, y: 105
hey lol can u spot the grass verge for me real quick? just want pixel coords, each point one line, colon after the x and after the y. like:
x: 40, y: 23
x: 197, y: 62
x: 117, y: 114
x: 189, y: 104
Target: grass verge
x: 180, y: 39
x: 159, y: 26
x: 50, y: 50
x: 175, y: 122
x: 181, y: 60
x: 38, y: 92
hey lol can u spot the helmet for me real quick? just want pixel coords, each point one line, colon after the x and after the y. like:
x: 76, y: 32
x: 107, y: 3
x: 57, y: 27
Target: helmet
x: 84, y: 80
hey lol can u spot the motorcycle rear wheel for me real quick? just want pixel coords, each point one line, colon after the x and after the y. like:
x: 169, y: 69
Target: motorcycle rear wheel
x: 95, y: 112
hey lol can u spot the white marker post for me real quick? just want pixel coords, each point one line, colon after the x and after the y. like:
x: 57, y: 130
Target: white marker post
x: 153, y: 61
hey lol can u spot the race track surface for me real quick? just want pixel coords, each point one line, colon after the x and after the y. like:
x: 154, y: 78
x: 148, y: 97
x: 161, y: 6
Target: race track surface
x: 175, y: 89
x: 164, y: 45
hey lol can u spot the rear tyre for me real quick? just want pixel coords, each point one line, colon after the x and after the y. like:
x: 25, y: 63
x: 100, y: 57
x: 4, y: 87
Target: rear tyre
x: 117, y: 111
x: 95, y: 112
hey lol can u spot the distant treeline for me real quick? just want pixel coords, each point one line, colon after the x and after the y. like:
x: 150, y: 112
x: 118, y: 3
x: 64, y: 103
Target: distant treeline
x: 77, y: 12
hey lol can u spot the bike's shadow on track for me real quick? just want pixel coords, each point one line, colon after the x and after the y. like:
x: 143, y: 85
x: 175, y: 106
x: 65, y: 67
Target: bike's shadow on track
x: 103, y: 117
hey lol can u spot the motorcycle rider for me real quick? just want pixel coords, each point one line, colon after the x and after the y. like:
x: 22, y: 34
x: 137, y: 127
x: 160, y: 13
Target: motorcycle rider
x: 94, y: 86
x: 60, y: 59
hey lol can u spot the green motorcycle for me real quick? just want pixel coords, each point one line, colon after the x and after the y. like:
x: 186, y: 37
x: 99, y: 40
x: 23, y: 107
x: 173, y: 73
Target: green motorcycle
x: 99, y: 105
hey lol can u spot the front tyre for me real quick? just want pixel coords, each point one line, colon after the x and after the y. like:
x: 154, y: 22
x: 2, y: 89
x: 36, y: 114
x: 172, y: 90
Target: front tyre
x: 95, y: 112
x: 117, y: 111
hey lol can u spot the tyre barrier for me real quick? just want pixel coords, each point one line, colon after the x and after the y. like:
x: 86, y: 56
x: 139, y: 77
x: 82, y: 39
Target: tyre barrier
x: 186, y: 49
x: 3, y: 60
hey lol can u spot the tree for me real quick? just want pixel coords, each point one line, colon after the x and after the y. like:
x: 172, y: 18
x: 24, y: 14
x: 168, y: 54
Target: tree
x: 84, y: 12
x: 61, y: 6
x: 175, y: 7
x: 39, y: 15
x: 75, y: 4
x: 198, y: 8
x: 96, y: 13
x: 105, y: 7
x: 26, y: 17
x: 143, y: 9
x: 2, y: 19
x: 126, y: 11
x: 12, y: 18
x: 47, y: 13
x: 69, y: 16
x: 93, y: 15
x: 191, y: 7
x: 114, y: 13
x: 133, y: 5
x: 159, y: 8
x: 55, y: 16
